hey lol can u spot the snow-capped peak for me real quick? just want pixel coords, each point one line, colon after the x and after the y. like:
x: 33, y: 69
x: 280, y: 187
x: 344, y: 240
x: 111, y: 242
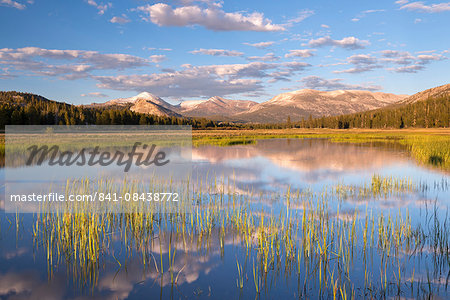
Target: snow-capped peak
x: 191, y: 103
x: 145, y: 95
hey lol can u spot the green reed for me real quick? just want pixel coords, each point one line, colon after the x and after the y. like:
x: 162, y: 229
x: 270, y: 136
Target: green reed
x: 306, y: 237
x: 430, y: 148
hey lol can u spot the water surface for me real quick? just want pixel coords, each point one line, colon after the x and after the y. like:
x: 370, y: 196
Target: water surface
x: 207, y: 266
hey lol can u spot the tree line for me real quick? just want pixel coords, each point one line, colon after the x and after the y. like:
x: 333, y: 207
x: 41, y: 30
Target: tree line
x: 430, y: 113
x: 29, y: 109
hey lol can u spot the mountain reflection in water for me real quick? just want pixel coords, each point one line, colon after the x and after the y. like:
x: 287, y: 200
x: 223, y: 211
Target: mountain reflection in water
x: 206, y: 265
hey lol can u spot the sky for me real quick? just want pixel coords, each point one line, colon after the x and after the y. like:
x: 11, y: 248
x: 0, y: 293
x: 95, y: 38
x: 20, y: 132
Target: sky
x: 84, y: 51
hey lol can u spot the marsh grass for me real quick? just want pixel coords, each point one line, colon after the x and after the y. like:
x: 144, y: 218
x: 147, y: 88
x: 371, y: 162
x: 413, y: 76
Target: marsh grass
x: 427, y: 147
x: 333, y: 253
x: 224, y: 141
x: 378, y: 187
x: 432, y: 150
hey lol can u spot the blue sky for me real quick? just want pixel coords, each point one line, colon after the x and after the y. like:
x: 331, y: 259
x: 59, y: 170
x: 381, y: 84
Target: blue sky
x: 84, y: 51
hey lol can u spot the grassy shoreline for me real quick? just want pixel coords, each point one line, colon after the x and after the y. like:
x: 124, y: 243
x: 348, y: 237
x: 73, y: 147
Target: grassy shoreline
x: 302, y: 236
x: 318, y: 131
x: 230, y: 137
x: 428, y: 146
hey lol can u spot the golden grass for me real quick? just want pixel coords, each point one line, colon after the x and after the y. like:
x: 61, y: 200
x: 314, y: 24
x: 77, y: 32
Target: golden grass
x: 305, y: 237
x: 428, y: 146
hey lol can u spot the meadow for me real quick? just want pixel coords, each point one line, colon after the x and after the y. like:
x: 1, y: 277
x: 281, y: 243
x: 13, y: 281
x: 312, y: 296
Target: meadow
x: 429, y: 146
x: 290, y: 221
x: 305, y: 239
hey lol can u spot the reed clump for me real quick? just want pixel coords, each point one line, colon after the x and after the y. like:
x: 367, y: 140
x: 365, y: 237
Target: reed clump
x: 333, y: 253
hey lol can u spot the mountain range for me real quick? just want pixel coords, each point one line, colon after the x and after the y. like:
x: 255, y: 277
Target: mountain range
x: 435, y: 92
x: 429, y: 108
x: 296, y: 105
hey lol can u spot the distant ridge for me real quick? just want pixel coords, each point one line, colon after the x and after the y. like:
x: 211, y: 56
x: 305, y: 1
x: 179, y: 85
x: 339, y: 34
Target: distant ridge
x: 435, y: 92
x: 307, y: 102
x: 145, y: 106
x: 145, y: 103
x: 426, y: 109
x: 214, y: 107
x: 296, y: 105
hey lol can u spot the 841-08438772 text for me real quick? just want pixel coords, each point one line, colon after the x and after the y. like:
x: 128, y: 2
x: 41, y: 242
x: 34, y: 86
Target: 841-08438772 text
x: 97, y: 196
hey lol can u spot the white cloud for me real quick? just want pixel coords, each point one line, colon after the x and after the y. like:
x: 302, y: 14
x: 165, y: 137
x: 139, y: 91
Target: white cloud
x: 318, y: 83
x: 302, y: 15
x: 5, y: 74
x: 202, y: 81
x: 370, y: 11
x: 295, y: 65
x: 217, y: 52
x: 158, y: 58
x: 279, y: 76
x: 395, y: 53
x: 406, y: 58
x: 159, y: 49
x: 409, y: 69
x: 256, y: 95
x: 300, y: 53
x: 426, y: 52
x: 324, y: 26
x: 253, y: 69
x: 13, y: 4
x: 94, y: 94
x: 364, y: 13
x: 28, y: 285
x: 425, y: 59
x: 358, y: 69
x: 409, y: 62
x: 267, y: 57
x: 421, y: 7
x: 100, y: 7
x: 75, y: 63
x: 362, y: 59
x: 187, y: 83
x: 362, y: 63
x: 212, y: 18
x: 401, y: 2
x: 347, y: 42
x: 260, y: 45
x: 120, y: 20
